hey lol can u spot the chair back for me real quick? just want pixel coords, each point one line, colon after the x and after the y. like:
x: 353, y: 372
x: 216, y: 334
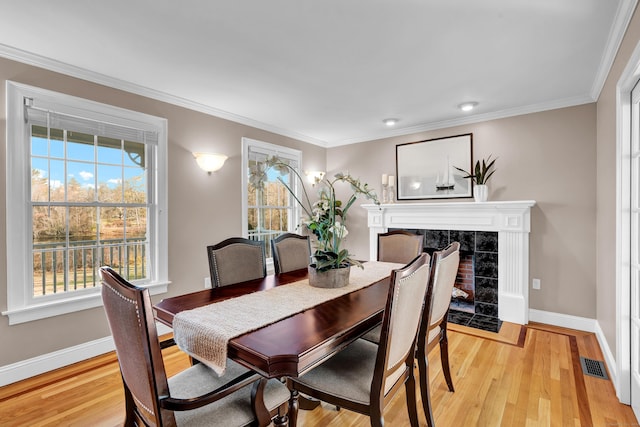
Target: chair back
x: 400, y: 323
x: 130, y: 317
x: 444, y: 271
x: 399, y: 246
x: 236, y: 260
x: 290, y: 252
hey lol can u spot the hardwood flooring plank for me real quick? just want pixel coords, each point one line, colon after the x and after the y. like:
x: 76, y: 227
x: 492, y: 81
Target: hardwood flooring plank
x: 523, y: 376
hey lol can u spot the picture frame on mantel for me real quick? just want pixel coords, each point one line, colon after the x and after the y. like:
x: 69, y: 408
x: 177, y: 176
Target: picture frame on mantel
x: 425, y: 169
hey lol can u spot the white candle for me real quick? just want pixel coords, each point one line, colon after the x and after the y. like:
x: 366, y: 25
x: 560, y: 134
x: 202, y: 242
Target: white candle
x: 385, y: 179
x: 392, y: 181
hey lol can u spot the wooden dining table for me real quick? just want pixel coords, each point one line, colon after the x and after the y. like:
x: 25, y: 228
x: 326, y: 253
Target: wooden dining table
x: 295, y: 344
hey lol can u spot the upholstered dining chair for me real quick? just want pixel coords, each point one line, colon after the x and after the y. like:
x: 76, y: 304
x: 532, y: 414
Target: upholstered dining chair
x: 433, y: 329
x: 399, y: 246
x: 364, y: 377
x: 196, y: 396
x: 290, y: 252
x: 236, y: 260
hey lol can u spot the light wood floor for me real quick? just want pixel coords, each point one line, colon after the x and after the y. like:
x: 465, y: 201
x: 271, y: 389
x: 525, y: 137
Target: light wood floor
x: 524, y: 376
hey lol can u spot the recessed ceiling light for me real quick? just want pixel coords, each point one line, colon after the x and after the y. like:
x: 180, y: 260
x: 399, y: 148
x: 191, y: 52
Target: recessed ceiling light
x: 390, y: 122
x: 468, y: 106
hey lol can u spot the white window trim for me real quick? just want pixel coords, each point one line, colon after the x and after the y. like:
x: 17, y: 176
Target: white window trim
x: 279, y: 150
x: 19, y: 307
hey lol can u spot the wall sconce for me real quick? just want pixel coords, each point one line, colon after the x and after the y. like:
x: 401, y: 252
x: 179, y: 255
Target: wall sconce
x: 210, y: 162
x: 314, y: 177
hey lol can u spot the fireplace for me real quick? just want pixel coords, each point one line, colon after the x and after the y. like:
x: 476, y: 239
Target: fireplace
x: 475, y: 300
x: 505, y: 224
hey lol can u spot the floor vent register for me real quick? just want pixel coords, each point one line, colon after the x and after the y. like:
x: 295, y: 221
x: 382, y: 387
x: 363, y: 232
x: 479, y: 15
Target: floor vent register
x: 594, y: 368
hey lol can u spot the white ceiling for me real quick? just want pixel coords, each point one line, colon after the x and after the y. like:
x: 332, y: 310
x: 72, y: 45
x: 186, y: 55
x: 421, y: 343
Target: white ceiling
x: 329, y: 71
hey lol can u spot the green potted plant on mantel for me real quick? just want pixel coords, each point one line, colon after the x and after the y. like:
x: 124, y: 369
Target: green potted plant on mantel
x: 325, y: 219
x: 479, y: 176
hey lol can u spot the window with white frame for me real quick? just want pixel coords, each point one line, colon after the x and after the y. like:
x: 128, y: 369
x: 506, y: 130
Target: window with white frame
x: 269, y: 210
x: 86, y: 187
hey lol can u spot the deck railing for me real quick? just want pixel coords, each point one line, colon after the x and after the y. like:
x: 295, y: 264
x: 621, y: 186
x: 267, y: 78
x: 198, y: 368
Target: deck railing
x: 267, y: 236
x: 61, y: 268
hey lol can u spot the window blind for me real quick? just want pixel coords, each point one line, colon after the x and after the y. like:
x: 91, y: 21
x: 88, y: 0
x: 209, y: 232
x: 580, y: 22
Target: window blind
x: 259, y: 155
x: 101, y: 126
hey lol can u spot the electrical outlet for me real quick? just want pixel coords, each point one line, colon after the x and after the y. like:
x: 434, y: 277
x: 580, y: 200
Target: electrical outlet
x: 536, y: 284
x: 207, y: 282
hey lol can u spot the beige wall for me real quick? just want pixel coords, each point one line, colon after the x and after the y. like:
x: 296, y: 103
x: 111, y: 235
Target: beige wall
x: 606, y: 189
x: 548, y: 157
x: 203, y: 209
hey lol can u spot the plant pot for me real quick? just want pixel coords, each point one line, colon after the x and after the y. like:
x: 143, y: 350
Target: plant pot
x: 480, y: 193
x: 333, y: 278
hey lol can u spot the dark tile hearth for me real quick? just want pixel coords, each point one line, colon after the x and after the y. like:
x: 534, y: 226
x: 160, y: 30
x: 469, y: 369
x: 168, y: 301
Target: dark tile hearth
x: 478, y: 321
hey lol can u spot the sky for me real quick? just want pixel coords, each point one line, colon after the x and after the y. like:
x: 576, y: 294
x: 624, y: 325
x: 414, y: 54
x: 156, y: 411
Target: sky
x: 113, y: 166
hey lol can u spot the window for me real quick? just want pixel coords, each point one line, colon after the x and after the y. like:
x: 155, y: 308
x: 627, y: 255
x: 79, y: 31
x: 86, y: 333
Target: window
x: 270, y: 211
x: 87, y: 189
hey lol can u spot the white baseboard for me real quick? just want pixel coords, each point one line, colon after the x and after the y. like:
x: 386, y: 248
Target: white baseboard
x: 609, y: 360
x: 563, y: 320
x: 48, y: 362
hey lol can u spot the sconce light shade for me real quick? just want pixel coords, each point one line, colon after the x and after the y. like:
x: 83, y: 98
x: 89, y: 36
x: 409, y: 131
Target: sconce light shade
x: 210, y: 162
x: 314, y: 177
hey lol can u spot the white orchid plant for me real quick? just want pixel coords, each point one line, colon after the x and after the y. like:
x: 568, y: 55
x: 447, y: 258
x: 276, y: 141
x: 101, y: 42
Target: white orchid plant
x: 326, y: 217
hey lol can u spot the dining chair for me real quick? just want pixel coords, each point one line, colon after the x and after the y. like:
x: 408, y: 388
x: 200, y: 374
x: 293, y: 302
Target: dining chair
x: 236, y: 260
x: 433, y: 329
x: 364, y: 377
x: 399, y: 246
x: 196, y: 396
x: 290, y: 252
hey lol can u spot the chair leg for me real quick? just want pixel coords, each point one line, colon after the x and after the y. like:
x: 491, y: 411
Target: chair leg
x: 263, y: 416
x: 410, y: 386
x: 281, y: 421
x: 293, y: 408
x: 444, y: 358
x: 423, y: 369
x: 375, y: 417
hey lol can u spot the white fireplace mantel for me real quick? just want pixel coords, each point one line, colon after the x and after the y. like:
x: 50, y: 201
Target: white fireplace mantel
x: 510, y: 219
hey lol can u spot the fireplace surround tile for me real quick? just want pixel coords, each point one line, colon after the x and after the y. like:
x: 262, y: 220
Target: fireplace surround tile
x: 436, y: 239
x: 486, y: 241
x: 486, y: 264
x: 466, y: 238
x: 486, y: 290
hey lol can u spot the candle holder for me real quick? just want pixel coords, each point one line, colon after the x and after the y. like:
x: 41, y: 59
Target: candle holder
x: 391, y: 194
x: 385, y: 190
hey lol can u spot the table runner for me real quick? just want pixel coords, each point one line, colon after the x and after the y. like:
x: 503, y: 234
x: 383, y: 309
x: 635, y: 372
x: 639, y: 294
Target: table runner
x: 204, y: 332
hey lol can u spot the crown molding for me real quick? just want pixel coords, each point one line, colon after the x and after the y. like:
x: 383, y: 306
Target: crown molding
x: 623, y: 16
x: 494, y: 115
x: 91, y: 76
x: 625, y: 11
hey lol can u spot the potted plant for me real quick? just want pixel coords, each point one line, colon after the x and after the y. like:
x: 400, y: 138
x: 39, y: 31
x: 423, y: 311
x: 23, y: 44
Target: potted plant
x: 325, y: 218
x: 479, y: 176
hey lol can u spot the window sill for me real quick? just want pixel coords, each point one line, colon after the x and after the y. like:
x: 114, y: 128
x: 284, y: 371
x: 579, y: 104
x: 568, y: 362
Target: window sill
x: 57, y: 308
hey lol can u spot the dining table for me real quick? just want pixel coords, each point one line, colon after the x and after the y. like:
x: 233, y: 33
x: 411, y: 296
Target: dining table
x: 295, y: 343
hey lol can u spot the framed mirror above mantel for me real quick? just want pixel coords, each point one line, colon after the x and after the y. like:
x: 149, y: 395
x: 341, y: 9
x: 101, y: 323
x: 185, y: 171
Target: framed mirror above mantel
x: 510, y: 219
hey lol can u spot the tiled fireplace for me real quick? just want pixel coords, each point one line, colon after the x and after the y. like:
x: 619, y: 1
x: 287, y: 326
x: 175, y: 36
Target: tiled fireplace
x: 477, y: 304
x: 494, y: 239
